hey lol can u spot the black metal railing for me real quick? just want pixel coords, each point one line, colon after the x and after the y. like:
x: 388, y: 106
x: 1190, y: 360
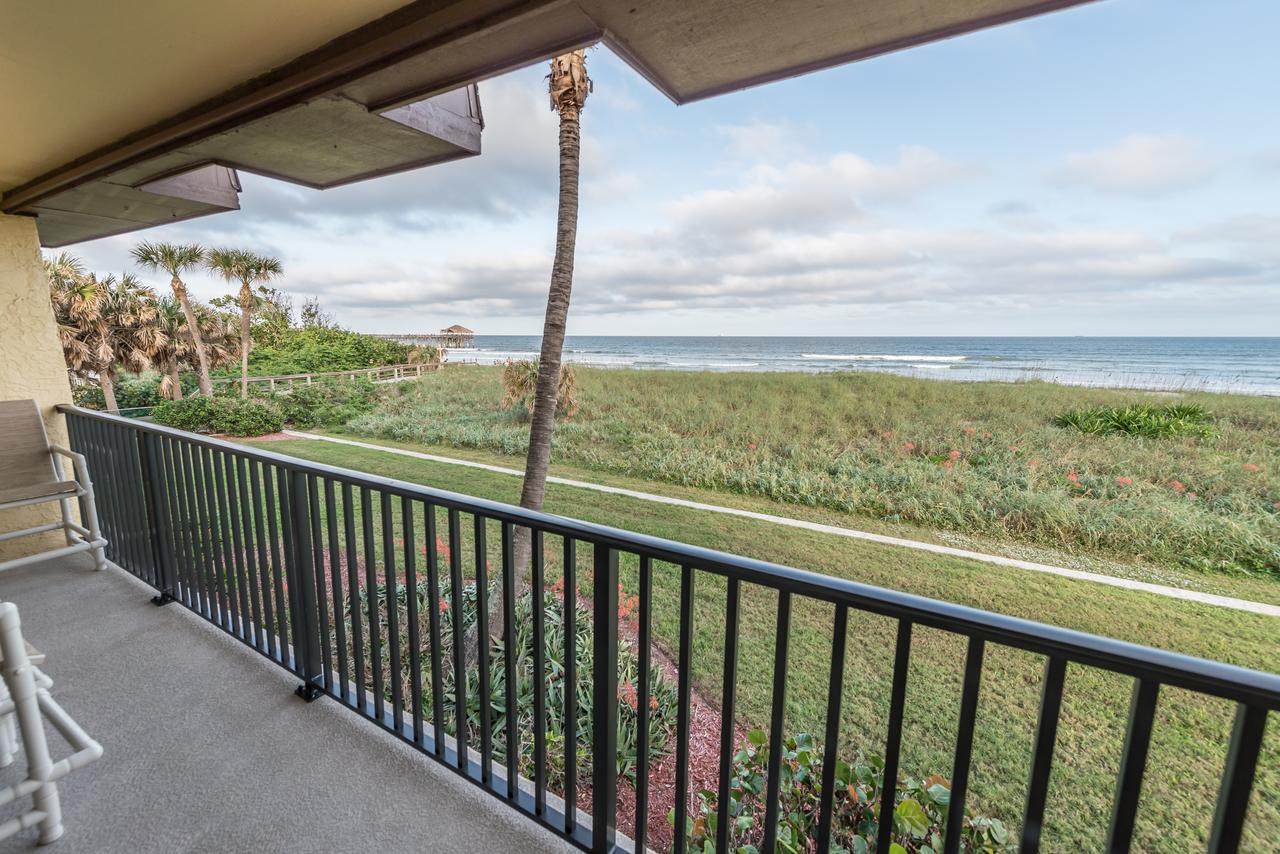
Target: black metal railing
x: 308, y: 564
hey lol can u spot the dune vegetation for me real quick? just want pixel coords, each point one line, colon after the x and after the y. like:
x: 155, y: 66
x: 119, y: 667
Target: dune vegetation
x: 1030, y: 463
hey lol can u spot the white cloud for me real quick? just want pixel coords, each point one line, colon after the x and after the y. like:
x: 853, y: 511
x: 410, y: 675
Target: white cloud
x: 1140, y: 165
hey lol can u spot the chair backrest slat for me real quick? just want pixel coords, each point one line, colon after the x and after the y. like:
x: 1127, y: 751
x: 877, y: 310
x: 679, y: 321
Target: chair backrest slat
x: 24, y: 445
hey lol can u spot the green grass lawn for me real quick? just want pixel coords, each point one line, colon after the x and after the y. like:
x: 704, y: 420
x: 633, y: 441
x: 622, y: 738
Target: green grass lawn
x: 979, y: 459
x: 1187, y: 750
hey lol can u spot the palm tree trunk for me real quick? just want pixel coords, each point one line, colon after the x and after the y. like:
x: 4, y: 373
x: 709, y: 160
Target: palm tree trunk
x: 202, y: 358
x: 175, y: 392
x: 246, y: 302
x: 107, y: 379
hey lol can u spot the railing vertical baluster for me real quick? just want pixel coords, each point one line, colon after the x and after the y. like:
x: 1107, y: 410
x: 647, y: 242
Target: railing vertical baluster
x: 303, y: 577
x: 724, y: 820
x: 604, y: 720
x: 325, y: 651
x: 893, y: 739
x: 230, y: 543
x: 242, y: 538
x: 684, y: 687
x: 538, y: 602
x: 353, y: 591
x: 197, y: 532
x: 1055, y: 668
x: 509, y: 657
x: 831, y: 752
x: 288, y: 568
x: 569, y: 604
x: 459, y: 636
x: 1133, y: 762
x: 155, y: 496
x: 485, y: 703
x: 252, y: 546
x: 393, y: 612
x: 964, y: 745
x: 411, y: 618
x: 774, y: 775
x: 209, y: 513
x: 174, y: 513
x: 1237, y: 779
x: 433, y: 625
x: 371, y: 586
x: 116, y: 455
x: 276, y: 514
x: 644, y: 641
x: 335, y: 585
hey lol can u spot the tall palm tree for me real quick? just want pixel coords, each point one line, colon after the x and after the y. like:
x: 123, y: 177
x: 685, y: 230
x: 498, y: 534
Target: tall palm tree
x: 176, y: 259
x: 128, y: 311
x: 569, y: 87
x: 173, y: 347
x: 238, y: 265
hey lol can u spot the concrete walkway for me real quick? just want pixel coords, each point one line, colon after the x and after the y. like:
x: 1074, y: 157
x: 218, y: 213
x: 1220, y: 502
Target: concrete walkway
x: 1065, y: 572
x: 208, y: 749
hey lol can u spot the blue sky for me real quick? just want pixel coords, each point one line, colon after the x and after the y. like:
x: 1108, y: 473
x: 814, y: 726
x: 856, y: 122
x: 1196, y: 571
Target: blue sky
x: 1107, y: 170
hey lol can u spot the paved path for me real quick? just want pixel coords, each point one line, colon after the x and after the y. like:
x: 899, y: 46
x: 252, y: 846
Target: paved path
x: 1098, y: 578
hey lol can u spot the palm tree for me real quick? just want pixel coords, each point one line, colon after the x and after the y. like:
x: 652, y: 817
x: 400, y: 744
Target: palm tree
x: 128, y: 311
x: 246, y: 268
x: 175, y: 259
x: 173, y: 347
x: 569, y: 87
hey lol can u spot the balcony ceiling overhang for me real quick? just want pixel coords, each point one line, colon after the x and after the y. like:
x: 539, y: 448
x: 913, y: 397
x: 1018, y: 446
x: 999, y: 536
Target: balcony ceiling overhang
x: 104, y: 106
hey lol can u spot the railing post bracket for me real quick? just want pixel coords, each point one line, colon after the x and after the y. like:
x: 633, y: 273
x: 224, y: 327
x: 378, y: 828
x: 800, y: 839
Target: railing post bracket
x: 162, y: 599
x: 309, y: 692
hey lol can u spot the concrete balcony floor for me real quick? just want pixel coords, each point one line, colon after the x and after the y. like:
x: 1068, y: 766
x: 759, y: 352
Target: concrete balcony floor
x: 208, y: 749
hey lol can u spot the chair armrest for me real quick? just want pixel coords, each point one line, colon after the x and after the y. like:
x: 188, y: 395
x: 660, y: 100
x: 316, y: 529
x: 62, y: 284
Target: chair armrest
x: 78, y: 462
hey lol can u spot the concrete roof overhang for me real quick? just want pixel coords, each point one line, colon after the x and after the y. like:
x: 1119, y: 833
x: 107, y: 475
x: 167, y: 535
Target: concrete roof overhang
x: 116, y: 116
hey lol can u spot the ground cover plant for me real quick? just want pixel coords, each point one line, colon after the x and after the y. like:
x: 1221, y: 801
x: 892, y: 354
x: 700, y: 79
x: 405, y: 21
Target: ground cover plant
x: 1192, y: 731
x: 985, y: 459
x: 324, y: 404
x: 1141, y: 419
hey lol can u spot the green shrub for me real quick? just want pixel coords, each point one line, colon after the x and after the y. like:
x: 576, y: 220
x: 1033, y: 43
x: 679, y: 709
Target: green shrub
x: 229, y: 415
x: 663, y: 698
x: 1158, y: 422
x: 315, y: 350
x: 328, y: 404
x: 89, y: 396
x: 191, y: 413
x: 520, y: 383
x: 919, y: 815
x: 251, y: 417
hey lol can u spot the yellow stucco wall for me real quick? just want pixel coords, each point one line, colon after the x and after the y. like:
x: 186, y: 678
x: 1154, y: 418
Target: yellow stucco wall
x: 31, y: 364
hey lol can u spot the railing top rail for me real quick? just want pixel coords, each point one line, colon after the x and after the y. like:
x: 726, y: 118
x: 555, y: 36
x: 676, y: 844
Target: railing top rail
x: 1212, y: 677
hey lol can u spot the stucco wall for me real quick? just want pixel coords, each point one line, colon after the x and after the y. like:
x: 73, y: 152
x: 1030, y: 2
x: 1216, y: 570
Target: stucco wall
x: 31, y: 364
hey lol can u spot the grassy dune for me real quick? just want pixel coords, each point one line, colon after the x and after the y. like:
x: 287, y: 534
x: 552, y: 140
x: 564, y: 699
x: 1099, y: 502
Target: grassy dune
x: 1191, y: 733
x: 980, y: 459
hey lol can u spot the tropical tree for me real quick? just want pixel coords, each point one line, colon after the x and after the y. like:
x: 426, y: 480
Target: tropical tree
x: 103, y: 324
x: 173, y: 349
x: 245, y: 267
x: 569, y: 87
x: 176, y: 259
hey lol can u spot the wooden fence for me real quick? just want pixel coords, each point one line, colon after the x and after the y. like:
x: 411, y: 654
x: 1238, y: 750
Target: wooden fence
x: 382, y: 373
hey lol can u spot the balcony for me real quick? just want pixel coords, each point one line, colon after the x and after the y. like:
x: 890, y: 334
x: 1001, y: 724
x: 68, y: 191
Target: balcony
x: 300, y: 562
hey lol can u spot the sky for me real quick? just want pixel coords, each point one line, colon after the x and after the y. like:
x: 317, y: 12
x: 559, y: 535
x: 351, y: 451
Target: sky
x: 1106, y: 170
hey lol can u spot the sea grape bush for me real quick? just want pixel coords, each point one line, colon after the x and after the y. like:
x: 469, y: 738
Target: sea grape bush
x: 919, y: 814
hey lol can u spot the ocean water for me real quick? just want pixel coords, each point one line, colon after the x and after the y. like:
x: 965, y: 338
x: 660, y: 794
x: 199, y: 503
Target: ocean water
x: 1245, y: 365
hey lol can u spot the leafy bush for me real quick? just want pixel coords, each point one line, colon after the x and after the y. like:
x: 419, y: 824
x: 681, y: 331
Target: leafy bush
x: 236, y: 417
x: 229, y: 415
x: 89, y: 396
x: 919, y: 815
x: 662, y: 705
x: 1185, y: 419
x: 520, y: 383
x: 319, y: 349
x: 132, y: 392
x: 191, y: 413
x: 330, y: 403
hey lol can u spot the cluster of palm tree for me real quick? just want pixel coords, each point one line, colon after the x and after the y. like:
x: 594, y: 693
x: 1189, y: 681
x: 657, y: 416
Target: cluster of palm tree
x: 111, y: 324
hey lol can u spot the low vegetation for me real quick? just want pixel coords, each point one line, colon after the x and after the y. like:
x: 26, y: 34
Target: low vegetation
x: 321, y: 404
x: 319, y: 349
x: 985, y: 459
x: 1141, y: 419
x: 520, y: 382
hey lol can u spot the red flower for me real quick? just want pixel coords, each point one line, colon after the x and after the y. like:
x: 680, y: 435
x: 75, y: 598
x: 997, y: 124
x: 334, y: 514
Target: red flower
x: 1124, y: 481
x: 955, y: 455
x: 627, y: 692
x: 971, y: 430
x: 908, y: 446
x: 887, y: 434
x: 1277, y: 505
x: 1013, y: 448
x: 1073, y: 477
x: 1032, y: 463
x: 1177, y: 486
x: 1191, y: 495
x: 752, y: 445
x: 1249, y: 467
x: 444, y: 606
x: 946, y: 464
